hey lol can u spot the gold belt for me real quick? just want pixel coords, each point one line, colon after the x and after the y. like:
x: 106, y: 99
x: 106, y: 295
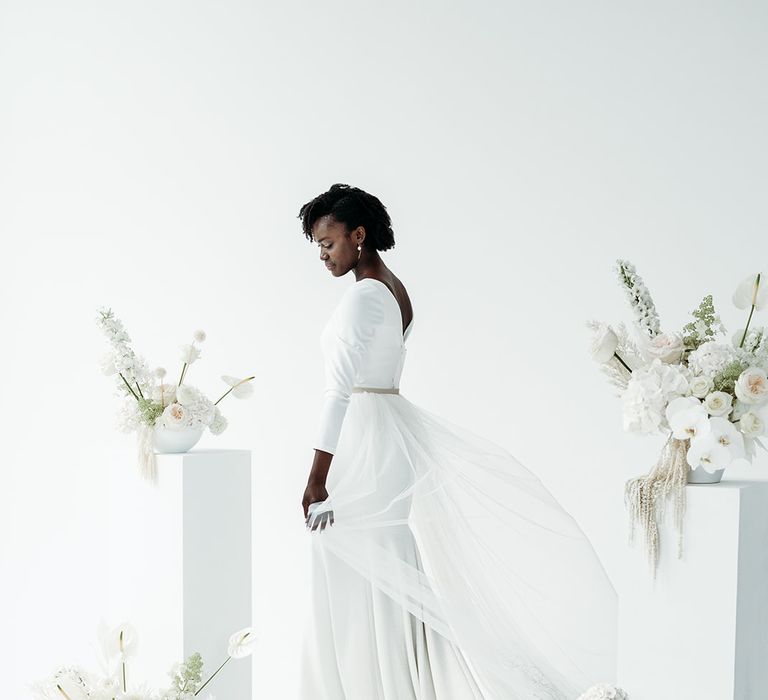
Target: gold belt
x: 376, y: 389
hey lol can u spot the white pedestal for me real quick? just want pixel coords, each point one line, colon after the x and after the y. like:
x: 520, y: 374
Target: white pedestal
x: 182, y: 566
x: 701, y: 632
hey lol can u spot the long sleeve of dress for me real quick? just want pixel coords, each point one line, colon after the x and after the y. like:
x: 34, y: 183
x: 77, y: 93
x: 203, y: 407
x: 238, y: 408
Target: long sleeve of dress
x: 360, y: 312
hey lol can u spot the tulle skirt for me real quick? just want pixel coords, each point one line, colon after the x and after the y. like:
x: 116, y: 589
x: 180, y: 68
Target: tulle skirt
x: 450, y: 572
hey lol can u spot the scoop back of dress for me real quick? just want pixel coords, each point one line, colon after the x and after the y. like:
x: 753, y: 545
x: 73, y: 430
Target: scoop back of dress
x: 450, y: 572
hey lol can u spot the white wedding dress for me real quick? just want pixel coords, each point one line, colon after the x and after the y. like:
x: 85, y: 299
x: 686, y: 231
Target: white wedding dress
x: 450, y: 572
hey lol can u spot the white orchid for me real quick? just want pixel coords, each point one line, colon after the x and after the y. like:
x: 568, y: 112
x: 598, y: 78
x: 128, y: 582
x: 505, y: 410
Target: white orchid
x: 708, y: 454
x: 727, y: 434
x: 689, y: 423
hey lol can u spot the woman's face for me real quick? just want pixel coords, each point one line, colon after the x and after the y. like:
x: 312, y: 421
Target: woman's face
x: 338, y: 249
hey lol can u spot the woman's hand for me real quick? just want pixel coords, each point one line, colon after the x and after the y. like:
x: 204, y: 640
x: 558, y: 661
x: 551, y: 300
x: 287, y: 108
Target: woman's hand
x: 314, y: 492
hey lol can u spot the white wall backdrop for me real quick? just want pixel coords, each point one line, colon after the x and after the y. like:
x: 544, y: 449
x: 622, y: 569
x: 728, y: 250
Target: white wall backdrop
x: 153, y: 158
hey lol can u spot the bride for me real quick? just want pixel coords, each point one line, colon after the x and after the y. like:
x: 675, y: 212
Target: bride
x: 441, y: 567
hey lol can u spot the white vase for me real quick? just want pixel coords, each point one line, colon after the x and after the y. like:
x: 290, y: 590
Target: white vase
x: 167, y: 441
x: 702, y: 476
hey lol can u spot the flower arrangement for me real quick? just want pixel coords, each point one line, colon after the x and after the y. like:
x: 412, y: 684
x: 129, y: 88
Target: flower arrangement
x: 604, y: 691
x: 708, y: 395
x: 118, y: 646
x: 149, y: 404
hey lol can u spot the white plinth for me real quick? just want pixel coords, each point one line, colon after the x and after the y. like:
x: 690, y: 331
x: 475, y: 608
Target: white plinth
x: 182, y: 565
x: 701, y: 633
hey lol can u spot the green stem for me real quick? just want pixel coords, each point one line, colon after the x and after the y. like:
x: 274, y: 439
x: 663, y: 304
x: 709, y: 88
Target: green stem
x: 212, y: 675
x: 128, y: 385
x: 183, y: 370
x: 743, y: 337
x: 125, y: 688
x: 139, y: 388
x: 61, y: 690
x: 223, y: 395
x: 616, y: 355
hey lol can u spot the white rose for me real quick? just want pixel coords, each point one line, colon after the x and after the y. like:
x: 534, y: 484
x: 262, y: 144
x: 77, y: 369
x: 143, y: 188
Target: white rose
x: 739, y: 409
x: 752, y: 386
x: 718, y: 403
x: 701, y: 386
x: 189, y: 353
x: 751, y: 424
x: 668, y: 347
x: 604, y: 343
x: 186, y: 394
x: 175, y: 416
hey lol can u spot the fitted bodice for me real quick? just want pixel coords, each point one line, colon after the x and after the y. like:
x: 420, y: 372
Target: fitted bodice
x: 382, y: 363
x: 363, y: 345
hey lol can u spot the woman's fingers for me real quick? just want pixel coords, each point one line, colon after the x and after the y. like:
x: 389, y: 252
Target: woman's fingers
x: 321, y: 520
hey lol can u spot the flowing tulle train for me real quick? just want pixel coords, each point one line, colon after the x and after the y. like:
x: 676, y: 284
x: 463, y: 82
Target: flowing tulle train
x: 450, y: 572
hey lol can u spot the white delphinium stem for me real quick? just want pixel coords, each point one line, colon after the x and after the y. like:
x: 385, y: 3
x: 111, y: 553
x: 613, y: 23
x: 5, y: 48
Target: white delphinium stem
x: 639, y: 297
x: 131, y: 369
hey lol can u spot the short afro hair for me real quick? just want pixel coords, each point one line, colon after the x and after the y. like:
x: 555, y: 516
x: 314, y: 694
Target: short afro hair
x: 353, y: 207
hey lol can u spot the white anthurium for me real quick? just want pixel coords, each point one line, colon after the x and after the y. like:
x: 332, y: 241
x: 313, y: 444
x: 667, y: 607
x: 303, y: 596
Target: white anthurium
x: 752, y: 386
x: 120, y: 642
x: 727, y: 434
x: 241, y: 387
x: 708, y: 454
x: 751, y: 292
x: 689, y: 423
x: 718, y: 403
x: 241, y: 643
x: 700, y: 386
x: 604, y: 343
